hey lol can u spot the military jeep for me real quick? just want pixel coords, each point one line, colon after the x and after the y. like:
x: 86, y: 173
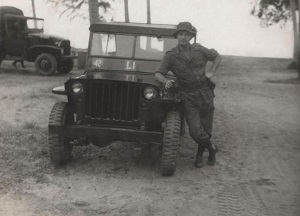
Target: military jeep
x: 117, y: 97
x: 22, y: 38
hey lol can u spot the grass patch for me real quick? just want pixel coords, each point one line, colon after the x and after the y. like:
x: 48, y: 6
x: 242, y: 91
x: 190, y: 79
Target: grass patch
x: 23, y: 151
x: 32, y: 125
x: 34, y: 95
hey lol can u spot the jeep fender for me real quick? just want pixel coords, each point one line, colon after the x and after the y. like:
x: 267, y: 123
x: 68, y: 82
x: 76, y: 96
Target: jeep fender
x: 172, y: 101
x: 60, y: 90
x: 34, y: 51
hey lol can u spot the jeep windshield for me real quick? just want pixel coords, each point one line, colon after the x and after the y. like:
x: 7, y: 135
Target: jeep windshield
x: 115, y: 52
x: 130, y: 46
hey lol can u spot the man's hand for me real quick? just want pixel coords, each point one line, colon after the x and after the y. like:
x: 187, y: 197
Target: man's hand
x: 164, y: 81
x: 169, y: 84
x: 215, y: 64
x: 209, y: 75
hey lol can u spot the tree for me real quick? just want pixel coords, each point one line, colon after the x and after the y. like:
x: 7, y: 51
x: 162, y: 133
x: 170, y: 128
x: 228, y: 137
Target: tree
x: 126, y: 11
x: 272, y: 12
x: 74, y: 9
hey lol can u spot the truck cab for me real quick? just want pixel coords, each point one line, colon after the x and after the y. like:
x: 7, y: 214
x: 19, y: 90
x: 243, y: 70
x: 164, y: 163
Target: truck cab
x: 23, y: 38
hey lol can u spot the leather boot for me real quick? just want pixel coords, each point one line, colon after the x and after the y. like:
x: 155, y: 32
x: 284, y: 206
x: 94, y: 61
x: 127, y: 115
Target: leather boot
x: 199, y: 162
x: 212, y: 149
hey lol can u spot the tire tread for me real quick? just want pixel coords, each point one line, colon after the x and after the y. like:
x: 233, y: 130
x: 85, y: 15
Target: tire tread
x: 170, y: 143
x: 60, y: 150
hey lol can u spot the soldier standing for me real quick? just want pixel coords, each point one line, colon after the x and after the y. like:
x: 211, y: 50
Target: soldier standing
x: 187, y: 62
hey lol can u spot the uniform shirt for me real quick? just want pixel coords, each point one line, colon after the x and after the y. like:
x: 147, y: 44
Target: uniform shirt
x: 187, y: 70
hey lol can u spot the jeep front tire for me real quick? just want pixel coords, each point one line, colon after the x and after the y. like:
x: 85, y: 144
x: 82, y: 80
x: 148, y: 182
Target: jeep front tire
x: 170, y: 143
x: 60, y: 150
x: 46, y: 64
x: 65, y: 66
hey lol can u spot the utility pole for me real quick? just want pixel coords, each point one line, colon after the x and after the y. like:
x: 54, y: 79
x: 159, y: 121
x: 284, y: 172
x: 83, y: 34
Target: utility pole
x: 126, y: 8
x: 148, y: 12
x: 33, y: 8
x: 33, y: 11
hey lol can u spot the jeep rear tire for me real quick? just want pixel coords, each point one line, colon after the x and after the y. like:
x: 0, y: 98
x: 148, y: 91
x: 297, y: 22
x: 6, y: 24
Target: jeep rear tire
x: 170, y: 143
x: 60, y: 150
x: 65, y: 66
x: 46, y: 64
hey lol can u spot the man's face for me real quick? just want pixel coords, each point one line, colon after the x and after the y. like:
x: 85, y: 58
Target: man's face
x: 184, y: 37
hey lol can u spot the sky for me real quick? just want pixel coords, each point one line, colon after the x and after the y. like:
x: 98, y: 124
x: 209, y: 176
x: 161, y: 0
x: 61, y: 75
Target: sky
x: 225, y: 25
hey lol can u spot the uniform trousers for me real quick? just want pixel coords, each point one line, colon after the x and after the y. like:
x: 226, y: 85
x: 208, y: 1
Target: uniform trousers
x: 199, y: 112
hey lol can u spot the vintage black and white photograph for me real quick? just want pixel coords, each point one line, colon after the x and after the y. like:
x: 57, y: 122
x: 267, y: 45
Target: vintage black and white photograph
x: 149, y: 107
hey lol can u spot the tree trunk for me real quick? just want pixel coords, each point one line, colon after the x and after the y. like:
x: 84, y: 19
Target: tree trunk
x: 126, y: 11
x: 295, y: 27
x: 298, y: 39
x: 93, y: 11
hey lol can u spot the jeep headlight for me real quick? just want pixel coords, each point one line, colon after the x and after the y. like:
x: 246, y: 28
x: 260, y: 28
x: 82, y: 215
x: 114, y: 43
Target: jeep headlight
x: 149, y: 93
x: 62, y: 51
x: 77, y: 88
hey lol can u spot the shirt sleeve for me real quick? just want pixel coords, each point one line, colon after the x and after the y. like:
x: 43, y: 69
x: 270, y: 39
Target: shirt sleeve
x: 165, y: 65
x: 210, y: 54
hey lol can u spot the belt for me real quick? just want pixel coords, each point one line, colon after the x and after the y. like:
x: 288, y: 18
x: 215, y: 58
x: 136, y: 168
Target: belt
x: 195, y: 85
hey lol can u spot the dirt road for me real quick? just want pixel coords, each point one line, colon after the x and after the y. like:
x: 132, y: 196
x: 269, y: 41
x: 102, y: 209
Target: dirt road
x: 257, y: 128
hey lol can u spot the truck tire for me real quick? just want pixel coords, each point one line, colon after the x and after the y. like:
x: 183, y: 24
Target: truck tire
x: 2, y: 54
x: 60, y: 150
x: 46, y: 64
x: 170, y: 143
x: 65, y: 66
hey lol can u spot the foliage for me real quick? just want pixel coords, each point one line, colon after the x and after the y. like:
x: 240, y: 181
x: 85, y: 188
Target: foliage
x: 272, y: 12
x: 78, y: 8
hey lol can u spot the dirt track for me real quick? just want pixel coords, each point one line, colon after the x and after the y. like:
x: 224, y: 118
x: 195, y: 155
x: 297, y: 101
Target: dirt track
x: 257, y: 128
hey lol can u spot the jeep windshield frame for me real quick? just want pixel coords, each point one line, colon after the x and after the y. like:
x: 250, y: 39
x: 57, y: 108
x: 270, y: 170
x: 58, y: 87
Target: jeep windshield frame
x: 128, y: 46
x: 139, y: 47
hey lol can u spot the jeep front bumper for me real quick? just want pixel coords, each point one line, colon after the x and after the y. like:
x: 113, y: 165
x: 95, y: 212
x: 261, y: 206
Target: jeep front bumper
x: 77, y: 131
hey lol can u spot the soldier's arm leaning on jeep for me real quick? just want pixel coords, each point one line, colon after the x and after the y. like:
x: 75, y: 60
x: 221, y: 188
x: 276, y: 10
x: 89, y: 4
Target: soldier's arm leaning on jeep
x: 163, y: 80
x: 160, y: 74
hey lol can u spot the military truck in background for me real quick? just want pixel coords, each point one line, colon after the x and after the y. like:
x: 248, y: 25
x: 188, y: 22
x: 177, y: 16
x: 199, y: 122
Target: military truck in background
x: 23, y: 38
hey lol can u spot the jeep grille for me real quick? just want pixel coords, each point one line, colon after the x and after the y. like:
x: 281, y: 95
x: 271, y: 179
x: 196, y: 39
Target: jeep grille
x: 112, y: 101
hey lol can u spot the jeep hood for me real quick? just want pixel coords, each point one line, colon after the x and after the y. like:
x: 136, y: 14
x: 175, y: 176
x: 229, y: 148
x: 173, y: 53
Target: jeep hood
x: 138, y: 77
x: 147, y: 78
